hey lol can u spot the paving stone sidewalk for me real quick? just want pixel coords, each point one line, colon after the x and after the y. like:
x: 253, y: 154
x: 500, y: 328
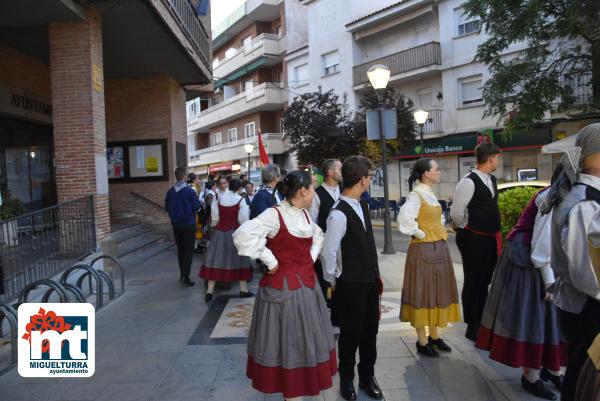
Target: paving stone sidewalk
x: 154, y: 343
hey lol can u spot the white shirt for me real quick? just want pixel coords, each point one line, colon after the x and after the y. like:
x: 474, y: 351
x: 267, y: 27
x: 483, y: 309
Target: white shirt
x: 250, y: 238
x: 407, y: 217
x: 541, y: 242
x: 463, y: 193
x: 229, y: 198
x: 574, y: 241
x: 316, y: 203
x: 331, y: 254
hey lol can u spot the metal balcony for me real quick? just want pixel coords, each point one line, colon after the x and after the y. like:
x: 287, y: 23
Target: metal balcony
x: 414, y: 59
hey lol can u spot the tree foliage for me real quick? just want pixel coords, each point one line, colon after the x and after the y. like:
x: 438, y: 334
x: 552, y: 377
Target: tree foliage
x: 511, y: 203
x: 319, y: 128
x: 559, y: 68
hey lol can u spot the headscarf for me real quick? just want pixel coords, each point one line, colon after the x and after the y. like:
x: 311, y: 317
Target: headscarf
x: 586, y: 144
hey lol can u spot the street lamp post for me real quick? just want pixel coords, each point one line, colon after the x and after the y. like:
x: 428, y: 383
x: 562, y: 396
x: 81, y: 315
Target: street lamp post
x: 379, y: 76
x: 249, y: 148
x: 421, y: 118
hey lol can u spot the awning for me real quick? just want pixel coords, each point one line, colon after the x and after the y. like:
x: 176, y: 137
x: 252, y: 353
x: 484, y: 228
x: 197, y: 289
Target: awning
x: 220, y: 167
x: 560, y: 146
x: 240, y: 73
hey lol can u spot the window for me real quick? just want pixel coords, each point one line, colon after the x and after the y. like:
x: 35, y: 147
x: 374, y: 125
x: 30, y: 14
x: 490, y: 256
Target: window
x: 248, y: 86
x: 465, y: 24
x: 330, y: 63
x: 470, y: 90
x: 217, y: 139
x: 250, y: 130
x: 425, y: 98
x: 301, y: 75
x: 278, y: 30
x: 232, y: 134
x: 246, y: 42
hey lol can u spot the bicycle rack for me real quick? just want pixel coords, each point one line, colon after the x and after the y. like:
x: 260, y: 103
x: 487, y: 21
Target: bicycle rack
x: 103, y: 275
x: 54, y: 287
x: 8, y: 312
x: 119, y: 266
x: 89, y: 271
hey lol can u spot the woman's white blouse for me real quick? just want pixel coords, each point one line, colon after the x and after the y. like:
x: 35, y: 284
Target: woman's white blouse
x: 407, y: 217
x: 229, y: 199
x: 250, y: 238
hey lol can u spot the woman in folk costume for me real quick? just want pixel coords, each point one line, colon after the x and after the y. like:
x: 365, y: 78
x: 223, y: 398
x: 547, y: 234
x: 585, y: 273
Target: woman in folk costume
x: 520, y: 324
x: 588, y: 383
x: 223, y: 263
x: 291, y: 348
x: 429, y: 293
x: 194, y: 182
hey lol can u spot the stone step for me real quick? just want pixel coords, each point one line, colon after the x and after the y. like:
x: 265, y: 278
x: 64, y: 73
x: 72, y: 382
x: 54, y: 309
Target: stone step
x: 148, y: 252
x: 138, y: 244
x: 129, y: 233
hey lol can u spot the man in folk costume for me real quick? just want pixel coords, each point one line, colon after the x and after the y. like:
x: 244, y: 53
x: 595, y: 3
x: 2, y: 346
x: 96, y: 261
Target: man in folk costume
x: 325, y: 197
x: 349, y: 258
x: 476, y: 218
x: 575, y: 201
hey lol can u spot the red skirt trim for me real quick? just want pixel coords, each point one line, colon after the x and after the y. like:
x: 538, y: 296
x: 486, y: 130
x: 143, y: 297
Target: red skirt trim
x: 292, y: 383
x: 519, y: 354
x: 213, y: 274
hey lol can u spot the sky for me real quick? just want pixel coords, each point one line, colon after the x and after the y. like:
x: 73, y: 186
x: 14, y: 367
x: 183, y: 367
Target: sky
x: 220, y: 9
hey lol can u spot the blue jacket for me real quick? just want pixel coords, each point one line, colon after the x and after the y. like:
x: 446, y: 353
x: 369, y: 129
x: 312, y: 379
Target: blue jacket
x: 182, y: 206
x: 263, y: 199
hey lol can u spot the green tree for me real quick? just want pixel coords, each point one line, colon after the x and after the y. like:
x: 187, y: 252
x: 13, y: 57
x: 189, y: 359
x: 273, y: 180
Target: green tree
x: 511, y: 203
x: 406, y: 124
x: 319, y: 128
x: 562, y: 55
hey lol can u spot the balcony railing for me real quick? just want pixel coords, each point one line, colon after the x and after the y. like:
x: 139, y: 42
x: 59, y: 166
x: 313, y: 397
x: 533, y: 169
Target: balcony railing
x: 433, y: 125
x: 401, y: 62
x: 234, y: 17
x: 580, y: 87
x: 265, y: 137
x: 256, y: 43
x: 190, y: 25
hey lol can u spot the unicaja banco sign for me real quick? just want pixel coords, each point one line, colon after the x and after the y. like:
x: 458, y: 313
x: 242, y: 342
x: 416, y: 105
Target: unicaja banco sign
x: 56, y: 340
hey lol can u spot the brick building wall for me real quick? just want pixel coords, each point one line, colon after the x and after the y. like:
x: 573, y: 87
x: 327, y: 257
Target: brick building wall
x: 22, y: 71
x: 138, y: 109
x: 79, y: 113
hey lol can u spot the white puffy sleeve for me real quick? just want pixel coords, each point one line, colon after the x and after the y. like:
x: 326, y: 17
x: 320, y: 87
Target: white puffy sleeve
x: 250, y: 238
x: 317, y: 243
x: 214, y: 213
x: 244, y: 213
x: 407, y: 223
x: 541, y: 246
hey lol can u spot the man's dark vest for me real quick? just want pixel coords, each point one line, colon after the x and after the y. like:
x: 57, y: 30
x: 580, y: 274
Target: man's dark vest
x: 325, y: 206
x: 484, y: 214
x: 359, y: 253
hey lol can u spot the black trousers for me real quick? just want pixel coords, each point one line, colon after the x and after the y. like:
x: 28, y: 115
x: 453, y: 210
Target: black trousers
x: 322, y: 282
x: 479, y: 256
x: 185, y: 238
x: 357, y: 310
x: 580, y: 331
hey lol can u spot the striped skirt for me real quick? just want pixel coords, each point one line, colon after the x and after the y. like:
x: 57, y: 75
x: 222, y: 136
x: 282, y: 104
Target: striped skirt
x: 518, y: 327
x: 291, y: 348
x: 223, y: 263
x: 429, y: 293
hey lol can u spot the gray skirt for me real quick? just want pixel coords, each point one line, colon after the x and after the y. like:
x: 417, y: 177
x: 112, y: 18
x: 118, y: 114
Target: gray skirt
x: 290, y: 329
x: 223, y: 263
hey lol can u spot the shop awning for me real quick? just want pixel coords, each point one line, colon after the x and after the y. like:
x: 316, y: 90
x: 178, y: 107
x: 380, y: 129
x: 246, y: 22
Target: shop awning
x: 240, y: 73
x: 560, y: 146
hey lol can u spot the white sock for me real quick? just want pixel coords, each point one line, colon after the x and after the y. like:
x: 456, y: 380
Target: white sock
x: 243, y: 286
x: 532, y: 375
x: 556, y: 372
x: 211, y: 286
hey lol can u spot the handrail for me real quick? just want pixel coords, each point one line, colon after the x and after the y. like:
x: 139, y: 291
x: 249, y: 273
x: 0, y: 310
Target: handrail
x: 147, y: 200
x: 183, y: 12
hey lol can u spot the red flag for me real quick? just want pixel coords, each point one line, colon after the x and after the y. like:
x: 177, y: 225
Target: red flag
x: 264, y: 159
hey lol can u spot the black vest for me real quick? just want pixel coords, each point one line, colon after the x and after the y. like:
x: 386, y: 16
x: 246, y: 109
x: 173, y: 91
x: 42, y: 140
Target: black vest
x: 325, y: 206
x: 484, y: 214
x: 359, y: 253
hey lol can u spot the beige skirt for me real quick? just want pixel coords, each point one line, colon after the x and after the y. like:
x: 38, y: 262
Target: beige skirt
x: 429, y: 293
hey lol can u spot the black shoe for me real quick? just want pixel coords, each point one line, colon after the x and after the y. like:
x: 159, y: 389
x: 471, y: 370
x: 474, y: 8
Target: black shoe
x: 181, y: 279
x: 538, y: 389
x: 472, y: 330
x: 439, y: 344
x: 427, y: 350
x: 545, y: 375
x: 208, y: 297
x: 347, y: 391
x: 187, y: 283
x: 246, y: 294
x: 371, y: 387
